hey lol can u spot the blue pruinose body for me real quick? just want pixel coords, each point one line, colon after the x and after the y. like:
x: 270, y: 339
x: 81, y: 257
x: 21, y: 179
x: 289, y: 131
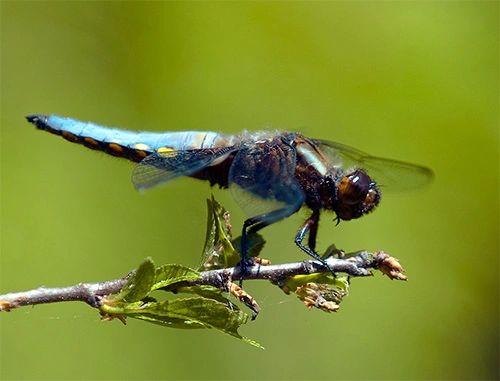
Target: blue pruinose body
x: 271, y: 174
x: 125, y: 143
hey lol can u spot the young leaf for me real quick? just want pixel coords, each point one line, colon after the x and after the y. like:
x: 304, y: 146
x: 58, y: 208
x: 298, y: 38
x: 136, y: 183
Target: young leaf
x: 139, y: 285
x: 194, y: 313
x: 218, y: 251
x: 168, y: 274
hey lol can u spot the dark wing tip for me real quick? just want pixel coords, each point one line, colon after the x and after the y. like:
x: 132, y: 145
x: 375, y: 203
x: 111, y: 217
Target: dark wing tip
x: 39, y: 120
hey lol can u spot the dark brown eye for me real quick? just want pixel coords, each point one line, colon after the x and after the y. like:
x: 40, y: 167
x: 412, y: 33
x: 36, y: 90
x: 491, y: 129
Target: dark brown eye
x: 354, y: 187
x: 357, y: 195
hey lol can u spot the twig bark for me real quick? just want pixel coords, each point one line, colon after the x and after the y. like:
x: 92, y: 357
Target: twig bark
x: 92, y: 293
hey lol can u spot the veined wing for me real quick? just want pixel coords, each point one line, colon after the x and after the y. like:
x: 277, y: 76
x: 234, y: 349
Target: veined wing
x: 393, y: 174
x: 165, y: 165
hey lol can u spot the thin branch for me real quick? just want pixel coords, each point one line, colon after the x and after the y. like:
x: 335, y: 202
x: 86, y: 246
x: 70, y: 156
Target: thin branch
x: 92, y: 293
x: 354, y: 266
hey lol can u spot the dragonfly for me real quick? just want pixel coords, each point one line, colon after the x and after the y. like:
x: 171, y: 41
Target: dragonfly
x: 271, y: 174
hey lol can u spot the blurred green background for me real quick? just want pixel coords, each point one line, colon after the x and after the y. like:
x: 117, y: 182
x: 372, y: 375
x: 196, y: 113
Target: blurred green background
x: 415, y: 81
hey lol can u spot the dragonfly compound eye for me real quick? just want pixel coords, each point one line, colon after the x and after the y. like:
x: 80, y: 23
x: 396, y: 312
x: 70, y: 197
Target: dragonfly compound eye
x: 357, y: 195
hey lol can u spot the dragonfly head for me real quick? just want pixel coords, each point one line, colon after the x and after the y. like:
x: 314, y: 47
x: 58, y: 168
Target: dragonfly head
x: 356, y: 195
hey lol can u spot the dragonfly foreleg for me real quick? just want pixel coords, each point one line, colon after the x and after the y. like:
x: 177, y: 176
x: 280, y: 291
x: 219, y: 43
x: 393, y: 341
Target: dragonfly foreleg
x: 311, y: 227
x: 313, y: 230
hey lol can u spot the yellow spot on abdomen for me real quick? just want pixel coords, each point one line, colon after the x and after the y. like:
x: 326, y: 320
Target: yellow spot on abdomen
x: 165, y: 150
x: 141, y: 147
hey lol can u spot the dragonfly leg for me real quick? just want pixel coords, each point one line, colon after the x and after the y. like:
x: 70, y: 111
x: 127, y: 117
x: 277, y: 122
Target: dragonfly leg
x: 313, y: 230
x: 246, y: 225
x: 311, y: 227
x: 253, y: 225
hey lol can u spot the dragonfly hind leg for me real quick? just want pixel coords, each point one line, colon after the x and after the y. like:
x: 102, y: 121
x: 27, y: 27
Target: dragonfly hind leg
x: 253, y: 225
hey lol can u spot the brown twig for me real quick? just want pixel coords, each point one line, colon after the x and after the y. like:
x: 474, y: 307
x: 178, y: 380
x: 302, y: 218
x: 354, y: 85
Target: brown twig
x: 92, y: 293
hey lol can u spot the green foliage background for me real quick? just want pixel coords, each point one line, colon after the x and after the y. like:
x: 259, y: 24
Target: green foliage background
x: 415, y: 81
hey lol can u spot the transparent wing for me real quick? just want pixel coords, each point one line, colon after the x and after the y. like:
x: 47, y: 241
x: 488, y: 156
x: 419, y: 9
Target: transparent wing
x: 393, y: 174
x: 161, y: 167
x: 261, y: 179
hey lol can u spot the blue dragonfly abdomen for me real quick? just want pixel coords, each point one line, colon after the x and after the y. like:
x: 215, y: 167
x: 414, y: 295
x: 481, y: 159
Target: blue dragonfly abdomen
x: 131, y: 145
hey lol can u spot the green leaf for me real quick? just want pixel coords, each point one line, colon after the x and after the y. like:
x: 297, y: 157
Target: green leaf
x: 341, y: 281
x: 210, y: 233
x: 212, y: 310
x: 139, y: 285
x: 209, y: 292
x: 255, y: 244
x: 187, y: 313
x: 218, y: 251
x: 169, y: 274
